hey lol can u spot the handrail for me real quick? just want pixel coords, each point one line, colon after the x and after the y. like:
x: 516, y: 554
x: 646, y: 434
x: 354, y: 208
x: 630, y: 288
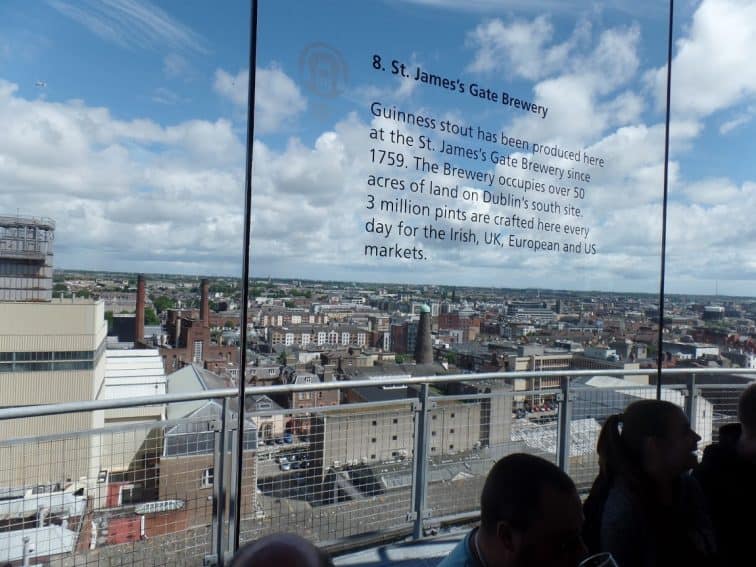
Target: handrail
x: 93, y: 405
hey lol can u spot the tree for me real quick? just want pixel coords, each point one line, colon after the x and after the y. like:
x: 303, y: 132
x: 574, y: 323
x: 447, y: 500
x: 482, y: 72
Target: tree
x: 109, y: 319
x: 399, y: 358
x: 163, y: 302
x: 282, y: 357
x: 150, y: 317
x: 228, y: 324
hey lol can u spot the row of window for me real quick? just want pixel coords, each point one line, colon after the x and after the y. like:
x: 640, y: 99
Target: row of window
x: 433, y: 433
x: 46, y: 366
x: 375, y: 422
x: 45, y: 361
x: 332, y: 338
x: 394, y: 437
x: 42, y: 356
x: 395, y: 420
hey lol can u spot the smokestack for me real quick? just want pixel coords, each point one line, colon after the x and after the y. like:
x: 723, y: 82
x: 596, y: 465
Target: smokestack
x: 204, y: 305
x: 423, y: 344
x: 139, y: 319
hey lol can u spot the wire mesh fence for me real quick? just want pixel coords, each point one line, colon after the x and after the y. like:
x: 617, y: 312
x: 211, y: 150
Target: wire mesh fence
x: 470, y: 431
x: 331, y: 473
x: 135, y: 493
x: 723, y: 401
x: 132, y: 490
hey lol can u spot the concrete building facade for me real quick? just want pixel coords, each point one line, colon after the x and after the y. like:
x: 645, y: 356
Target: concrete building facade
x: 51, y: 353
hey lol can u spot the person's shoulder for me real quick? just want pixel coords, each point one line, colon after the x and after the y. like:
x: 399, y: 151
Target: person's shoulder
x: 718, y: 458
x: 460, y: 556
x: 692, y: 487
x: 620, y: 504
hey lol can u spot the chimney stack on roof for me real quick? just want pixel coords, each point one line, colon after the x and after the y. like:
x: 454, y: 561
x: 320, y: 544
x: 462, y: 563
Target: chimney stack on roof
x: 140, y: 303
x: 204, y: 306
x: 424, y: 344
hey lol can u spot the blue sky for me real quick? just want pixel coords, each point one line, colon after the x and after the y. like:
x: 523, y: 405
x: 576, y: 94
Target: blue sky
x: 126, y: 123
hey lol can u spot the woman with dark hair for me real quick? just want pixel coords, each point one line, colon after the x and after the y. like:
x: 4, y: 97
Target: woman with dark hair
x: 644, y: 508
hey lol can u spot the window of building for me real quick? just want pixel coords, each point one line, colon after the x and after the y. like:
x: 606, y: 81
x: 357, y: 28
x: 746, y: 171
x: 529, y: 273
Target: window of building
x: 396, y: 420
x: 451, y: 447
x: 451, y: 430
x: 372, y: 456
x: 197, y: 356
x: 372, y: 440
x: 393, y: 437
x: 375, y: 423
x: 452, y: 415
x: 208, y: 477
x: 433, y: 433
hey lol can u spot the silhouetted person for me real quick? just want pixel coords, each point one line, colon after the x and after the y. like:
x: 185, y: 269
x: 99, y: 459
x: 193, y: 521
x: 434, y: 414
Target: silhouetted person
x: 281, y: 550
x: 529, y: 515
x: 644, y: 508
x: 728, y: 478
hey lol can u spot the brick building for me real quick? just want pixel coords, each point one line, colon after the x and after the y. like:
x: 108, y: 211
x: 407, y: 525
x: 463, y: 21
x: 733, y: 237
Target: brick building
x: 303, y: 335
x: 189, y: 340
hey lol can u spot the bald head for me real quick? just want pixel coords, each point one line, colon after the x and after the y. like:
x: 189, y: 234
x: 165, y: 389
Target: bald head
x: 281, y: 550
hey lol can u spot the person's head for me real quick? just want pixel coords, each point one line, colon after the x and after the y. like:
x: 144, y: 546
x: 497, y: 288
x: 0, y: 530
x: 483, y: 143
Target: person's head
x: 747, y: 411
x: 530, y: 514
x: 652, y: 438
x: 281, y: 550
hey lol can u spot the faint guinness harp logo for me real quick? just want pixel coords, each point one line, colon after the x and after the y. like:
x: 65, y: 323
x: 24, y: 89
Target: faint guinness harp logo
x: 323, y: 72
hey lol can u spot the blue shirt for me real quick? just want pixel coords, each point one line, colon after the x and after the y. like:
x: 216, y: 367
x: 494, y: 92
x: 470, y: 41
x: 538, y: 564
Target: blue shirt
x: 461, y: 556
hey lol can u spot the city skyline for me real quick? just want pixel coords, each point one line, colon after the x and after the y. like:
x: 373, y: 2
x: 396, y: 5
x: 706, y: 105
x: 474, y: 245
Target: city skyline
x: 254, y: 279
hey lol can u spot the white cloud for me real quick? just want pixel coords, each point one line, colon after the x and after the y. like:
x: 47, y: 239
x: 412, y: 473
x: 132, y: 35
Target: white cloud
x: 278, y: 99
x: 713, y: 237
x: 125, y: 194
x: 739, y: 120
x: 709, y: 192
x: 647, y: 8
x: 522, y: 47
x: 713, y: 65
x: 138, y: 195
x: 161, y: 95
x: 585, y: 81
x: 176, y: 66
x: 133, y: 24
x: 233, y: 87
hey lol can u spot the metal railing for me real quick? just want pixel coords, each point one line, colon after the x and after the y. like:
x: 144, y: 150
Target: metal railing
x: 163, y: 492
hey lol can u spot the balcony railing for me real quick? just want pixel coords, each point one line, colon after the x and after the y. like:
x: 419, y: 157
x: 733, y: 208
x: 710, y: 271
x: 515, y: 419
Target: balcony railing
x: 163, y: 492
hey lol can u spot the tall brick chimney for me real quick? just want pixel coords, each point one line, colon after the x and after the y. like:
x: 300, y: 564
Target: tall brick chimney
x: 140, y: 302
x: 424, y: 342
x: 204, y: 305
